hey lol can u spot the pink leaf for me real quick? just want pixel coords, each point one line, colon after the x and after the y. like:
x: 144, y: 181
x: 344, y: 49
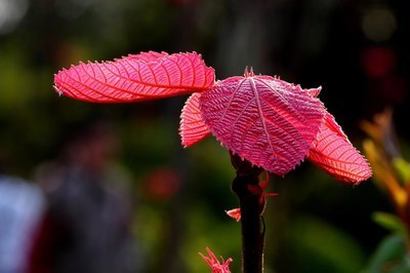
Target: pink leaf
x: 267, y: 121
x: 147, y: 57
x: 192, y: 127
x: 216, y: 265
x: 333, y: 152
x: 145, y: 76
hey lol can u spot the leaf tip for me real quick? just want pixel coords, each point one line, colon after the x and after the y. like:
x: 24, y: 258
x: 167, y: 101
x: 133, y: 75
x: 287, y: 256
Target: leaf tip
x: 59, y: 92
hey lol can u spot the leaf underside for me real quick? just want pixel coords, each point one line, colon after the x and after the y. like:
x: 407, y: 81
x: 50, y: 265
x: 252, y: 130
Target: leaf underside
x: 267, y: 121
x: 145, y: 76
x: 192, y: 126
x: 333, y: 152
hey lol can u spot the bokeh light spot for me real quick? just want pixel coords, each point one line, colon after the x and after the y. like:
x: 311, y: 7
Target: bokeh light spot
x: 379, y: 24
x: 11, y: 13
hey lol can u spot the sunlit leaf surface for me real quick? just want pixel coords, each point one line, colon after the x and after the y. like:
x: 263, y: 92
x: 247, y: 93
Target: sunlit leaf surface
x: 265, y: 120
x: 333, y: 152
x: 192, y: 128
x: 145, y: 76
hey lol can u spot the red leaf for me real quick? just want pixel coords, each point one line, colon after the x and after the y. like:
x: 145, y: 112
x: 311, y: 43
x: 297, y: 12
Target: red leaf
x: 234, y: 214
x: 145, y: 76
x: 192, y: 127
x: 267, y: 121
x: 149, y: 56
x: 333, y: 152
x: 216, y: 265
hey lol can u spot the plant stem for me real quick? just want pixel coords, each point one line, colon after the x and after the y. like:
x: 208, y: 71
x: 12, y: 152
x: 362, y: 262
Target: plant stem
x: 250, y: 194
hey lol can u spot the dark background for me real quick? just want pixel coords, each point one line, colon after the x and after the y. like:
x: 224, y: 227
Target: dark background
x: 356, y: 50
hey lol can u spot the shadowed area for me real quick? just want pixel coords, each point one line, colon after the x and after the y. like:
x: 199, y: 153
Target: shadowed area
x: 139, y: 199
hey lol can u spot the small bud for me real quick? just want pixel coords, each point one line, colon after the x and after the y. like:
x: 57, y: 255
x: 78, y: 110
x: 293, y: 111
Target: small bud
x: 234, y: 214
x: 248, y: 73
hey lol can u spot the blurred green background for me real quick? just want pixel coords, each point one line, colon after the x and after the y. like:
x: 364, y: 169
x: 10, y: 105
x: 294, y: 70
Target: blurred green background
x: 356, y: 50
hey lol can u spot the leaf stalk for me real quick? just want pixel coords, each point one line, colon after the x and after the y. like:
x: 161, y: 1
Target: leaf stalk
x: 250, y: 194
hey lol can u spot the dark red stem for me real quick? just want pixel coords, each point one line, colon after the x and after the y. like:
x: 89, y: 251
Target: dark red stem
x: 246, y: 186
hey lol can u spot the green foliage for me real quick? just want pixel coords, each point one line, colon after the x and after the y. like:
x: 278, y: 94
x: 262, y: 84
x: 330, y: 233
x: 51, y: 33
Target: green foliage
x: 403, y: 169
x: 390, y: 222
x: 390, y: 257
x: 316, y: 246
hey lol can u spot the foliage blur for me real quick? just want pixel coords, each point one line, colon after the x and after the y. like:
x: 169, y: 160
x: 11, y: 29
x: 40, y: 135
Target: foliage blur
x: 357, y: 51
x: 392, y: 174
